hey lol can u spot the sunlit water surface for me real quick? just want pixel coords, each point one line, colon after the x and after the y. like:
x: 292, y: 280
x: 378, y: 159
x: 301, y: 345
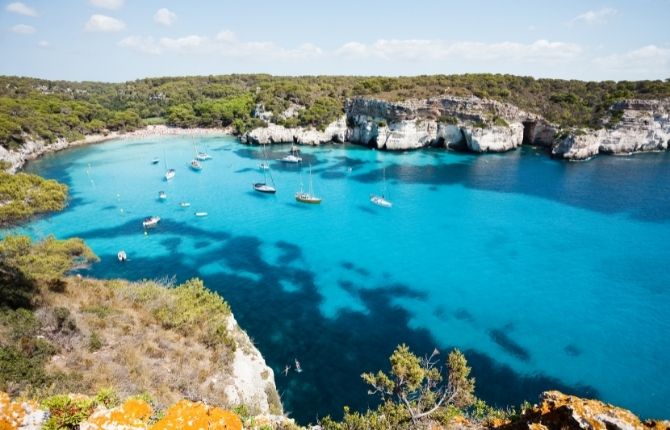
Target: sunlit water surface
x: 547, y: 274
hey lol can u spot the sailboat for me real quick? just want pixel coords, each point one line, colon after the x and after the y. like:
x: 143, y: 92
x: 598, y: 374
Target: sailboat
x: 292, y: 157
x: 264, y: 165
x: 169, y: 173
x: 309, y: 197
x: 201, y: 155
x: 264, y: 187
x: 381, y: 200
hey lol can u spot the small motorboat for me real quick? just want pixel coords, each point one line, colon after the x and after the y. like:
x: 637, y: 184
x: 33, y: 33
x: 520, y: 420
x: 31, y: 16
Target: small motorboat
x: 195, y: 165
x: 151, y: 221
x: 201, y: 214
x: 380, y: 201
x: 264, y: 166
x: 297, y: 366
x: 121, y: 255
x: 162, y: 195
x: 155, y: 160
x: 202, y: 156
x: 291, y: 159
x: 185, y: 204
x: 170, y: 174
x: 262, y: 187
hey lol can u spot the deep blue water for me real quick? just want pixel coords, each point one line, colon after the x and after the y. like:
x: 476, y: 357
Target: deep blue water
x: 547, y: 274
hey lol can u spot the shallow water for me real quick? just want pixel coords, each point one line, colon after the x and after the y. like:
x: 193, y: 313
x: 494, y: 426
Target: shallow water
x: 547, y: 274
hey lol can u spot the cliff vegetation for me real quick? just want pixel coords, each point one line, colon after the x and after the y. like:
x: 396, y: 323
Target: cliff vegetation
x: 24, y: 195
x: 35, y: 108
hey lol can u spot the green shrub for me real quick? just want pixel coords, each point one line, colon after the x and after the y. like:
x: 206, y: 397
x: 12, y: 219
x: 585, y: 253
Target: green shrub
x: 94, y: 342
x: 66, y: 413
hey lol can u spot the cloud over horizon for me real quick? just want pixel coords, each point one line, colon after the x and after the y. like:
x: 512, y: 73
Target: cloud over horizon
x: 104, y: 24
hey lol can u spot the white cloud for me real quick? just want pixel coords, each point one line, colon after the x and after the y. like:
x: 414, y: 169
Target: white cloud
x: 226, y: 36
x: 643, y: 62
x: 108, y: 4
x: 595, y: 16
x: 23, y: 29
x: 225, y: 44
x: 146, y: 45
x: 165, y: 17
x: 104, y: 23
x: 188, y: 42
x: 21, y: 9
x: 425, y: 49
x: 44, y: 44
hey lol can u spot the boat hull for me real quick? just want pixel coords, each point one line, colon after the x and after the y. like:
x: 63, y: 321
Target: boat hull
x: 306, y: 198
x: 264, y: 188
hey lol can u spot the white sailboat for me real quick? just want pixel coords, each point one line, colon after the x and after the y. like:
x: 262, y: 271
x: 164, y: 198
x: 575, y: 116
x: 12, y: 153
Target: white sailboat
x: 307, y: 197
x: 381, y: 200
x: 264, y: 187
x: 169, y: 173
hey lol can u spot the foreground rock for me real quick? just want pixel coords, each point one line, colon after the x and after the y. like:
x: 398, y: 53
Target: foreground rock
x: 558, y: 411
x: 644, y: 126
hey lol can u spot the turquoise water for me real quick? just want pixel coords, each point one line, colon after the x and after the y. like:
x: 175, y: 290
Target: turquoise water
x: 547, y: 274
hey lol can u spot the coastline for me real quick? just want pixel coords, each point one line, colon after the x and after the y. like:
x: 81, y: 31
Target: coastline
x: 35, y: 149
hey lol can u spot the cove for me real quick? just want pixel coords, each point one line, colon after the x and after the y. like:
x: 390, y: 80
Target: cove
x: 548, y: 275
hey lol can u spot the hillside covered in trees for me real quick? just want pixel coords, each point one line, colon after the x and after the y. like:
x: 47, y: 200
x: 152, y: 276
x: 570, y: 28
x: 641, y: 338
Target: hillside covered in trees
x: 60, y: 109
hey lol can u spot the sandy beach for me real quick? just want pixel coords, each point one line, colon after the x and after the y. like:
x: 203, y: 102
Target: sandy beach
x: 34, y: 149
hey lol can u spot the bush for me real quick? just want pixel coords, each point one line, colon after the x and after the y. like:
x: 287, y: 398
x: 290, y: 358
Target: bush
x: 94, y: 342
x: 66, y: 413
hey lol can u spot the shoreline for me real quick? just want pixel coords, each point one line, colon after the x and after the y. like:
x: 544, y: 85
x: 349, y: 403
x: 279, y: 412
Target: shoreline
x: 32, y: 150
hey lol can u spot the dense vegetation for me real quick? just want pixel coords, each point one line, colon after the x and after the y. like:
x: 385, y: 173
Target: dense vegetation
x: 55, y: 109
x: 24, y: 195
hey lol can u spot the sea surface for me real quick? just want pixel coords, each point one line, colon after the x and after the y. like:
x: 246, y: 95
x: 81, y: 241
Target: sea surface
x: 547, y: 274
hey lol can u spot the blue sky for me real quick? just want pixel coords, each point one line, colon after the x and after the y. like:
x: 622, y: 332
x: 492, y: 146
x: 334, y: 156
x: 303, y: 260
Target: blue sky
x: 116, y: 40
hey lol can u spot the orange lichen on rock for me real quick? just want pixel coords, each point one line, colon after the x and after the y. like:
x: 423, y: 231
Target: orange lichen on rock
x: 558, y: 411
x: 12, y: 413
x: 131, y: 415
x: 197, y: 416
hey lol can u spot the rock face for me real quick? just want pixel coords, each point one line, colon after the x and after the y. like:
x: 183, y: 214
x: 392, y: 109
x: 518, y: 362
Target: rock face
x: 273, y: 133
x: 644, y: 126
x: 472, y: 123
x: 252, y: 381
x: 558, y: 411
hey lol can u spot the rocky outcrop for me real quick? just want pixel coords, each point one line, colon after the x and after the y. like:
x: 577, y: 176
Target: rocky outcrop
x: 273, y: 133
x: 495, y: 138
x: 558, y: 411
x: 642, y: 126
x: 471, y: 123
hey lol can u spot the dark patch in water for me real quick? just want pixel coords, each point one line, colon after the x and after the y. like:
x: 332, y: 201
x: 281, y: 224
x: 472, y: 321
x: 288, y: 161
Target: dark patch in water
x: 353, y: 268
x: 201, y: 244
x: 463, y: 315
x: 572, y: 350
x: 440, y: 312
x: 367, y: 209
x: 509, y: 345
x: 290, y: 252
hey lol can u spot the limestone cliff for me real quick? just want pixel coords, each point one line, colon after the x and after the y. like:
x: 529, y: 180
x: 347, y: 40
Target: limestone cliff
x: 635, y: 126
x: 480, y: 125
